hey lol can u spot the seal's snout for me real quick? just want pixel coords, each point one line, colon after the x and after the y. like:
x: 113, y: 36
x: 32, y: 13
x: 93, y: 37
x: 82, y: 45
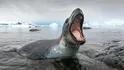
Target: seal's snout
x: 78, y: 9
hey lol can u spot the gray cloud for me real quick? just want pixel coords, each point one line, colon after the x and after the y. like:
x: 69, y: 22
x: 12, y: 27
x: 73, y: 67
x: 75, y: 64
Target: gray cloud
x: 55, y: 10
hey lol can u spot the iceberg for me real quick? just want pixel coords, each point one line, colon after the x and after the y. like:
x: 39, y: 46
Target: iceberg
x: 53, y: 25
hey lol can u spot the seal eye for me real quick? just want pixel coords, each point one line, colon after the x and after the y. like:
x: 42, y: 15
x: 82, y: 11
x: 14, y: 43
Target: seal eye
x: 76, y: 28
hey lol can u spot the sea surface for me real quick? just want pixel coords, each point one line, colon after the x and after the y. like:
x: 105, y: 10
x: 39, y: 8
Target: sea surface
x: 18, y: 37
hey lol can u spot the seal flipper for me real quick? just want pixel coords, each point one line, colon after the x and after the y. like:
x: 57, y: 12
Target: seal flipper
x: 37, y: 50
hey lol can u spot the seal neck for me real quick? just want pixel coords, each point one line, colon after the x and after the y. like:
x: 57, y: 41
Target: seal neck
x: 63, y: 40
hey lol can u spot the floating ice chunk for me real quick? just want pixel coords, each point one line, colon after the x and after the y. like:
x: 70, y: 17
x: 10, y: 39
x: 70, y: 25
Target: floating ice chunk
x: 53, y: 25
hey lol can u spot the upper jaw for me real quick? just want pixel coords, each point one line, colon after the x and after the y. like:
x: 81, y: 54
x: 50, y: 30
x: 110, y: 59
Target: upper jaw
x: 74, y: 14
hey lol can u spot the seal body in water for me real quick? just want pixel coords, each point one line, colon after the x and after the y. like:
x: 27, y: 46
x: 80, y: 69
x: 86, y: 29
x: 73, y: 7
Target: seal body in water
x: 65, y: 46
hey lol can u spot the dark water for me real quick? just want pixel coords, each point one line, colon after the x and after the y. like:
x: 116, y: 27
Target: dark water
x: 18, y: 37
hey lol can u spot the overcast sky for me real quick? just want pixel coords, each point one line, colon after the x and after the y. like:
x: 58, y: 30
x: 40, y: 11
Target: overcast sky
x: 59, y: 10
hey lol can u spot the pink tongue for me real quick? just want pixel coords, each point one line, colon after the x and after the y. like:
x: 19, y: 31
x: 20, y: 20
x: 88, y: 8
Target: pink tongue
x: 77, y: 34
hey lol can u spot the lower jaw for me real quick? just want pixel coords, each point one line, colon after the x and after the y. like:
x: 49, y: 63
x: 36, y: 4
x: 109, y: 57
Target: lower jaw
x: 77, y: 35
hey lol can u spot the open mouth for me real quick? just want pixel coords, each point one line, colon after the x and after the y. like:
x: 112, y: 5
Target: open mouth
x: 76, y: 28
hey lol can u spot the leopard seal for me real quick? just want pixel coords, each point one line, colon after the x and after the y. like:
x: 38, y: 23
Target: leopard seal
x: 65, y: 46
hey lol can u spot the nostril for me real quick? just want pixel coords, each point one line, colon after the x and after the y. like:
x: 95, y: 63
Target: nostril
x: 78, y: 9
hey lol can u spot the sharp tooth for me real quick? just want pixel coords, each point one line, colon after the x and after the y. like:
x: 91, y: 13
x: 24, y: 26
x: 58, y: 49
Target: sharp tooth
x: 81, y: 17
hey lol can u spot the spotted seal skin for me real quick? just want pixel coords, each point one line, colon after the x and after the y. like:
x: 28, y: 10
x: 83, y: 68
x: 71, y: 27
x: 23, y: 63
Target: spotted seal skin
x: 65, y: 46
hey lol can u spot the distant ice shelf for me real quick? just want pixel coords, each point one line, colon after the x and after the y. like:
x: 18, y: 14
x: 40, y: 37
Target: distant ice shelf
x: 18, y: 25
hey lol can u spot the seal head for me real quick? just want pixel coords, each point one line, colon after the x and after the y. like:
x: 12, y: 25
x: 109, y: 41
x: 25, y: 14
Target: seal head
x: 72, y: 29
